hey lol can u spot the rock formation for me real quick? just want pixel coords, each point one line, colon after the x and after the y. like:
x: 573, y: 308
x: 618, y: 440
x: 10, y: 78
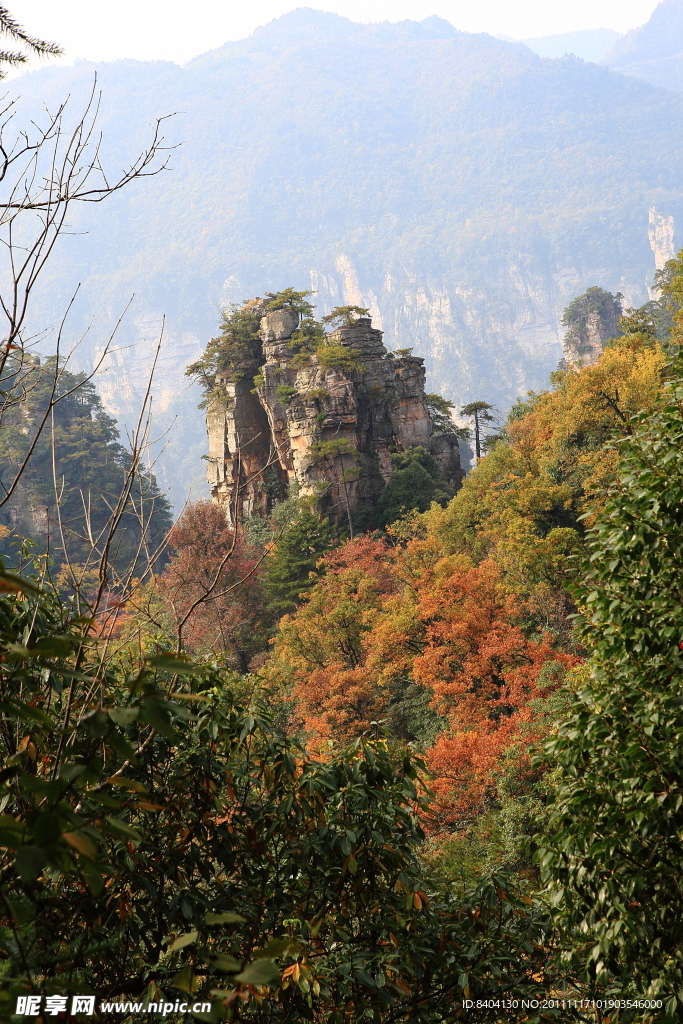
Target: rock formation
x: 591, y: 320
x: 322, y: 423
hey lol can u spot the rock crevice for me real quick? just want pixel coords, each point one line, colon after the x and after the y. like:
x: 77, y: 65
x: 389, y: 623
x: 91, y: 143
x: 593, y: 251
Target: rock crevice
x: 323, y: 423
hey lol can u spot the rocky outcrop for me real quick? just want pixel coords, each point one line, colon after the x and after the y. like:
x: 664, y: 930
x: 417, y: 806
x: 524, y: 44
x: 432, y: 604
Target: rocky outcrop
x: 321, y: 423
x: 591, y: 320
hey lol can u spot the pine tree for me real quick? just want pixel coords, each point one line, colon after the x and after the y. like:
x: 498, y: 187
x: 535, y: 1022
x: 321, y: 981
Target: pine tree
x: 75, y: 475
x: 288, y: 569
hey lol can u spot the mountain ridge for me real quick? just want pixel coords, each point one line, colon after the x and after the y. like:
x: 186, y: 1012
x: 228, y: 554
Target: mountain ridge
x: 653, y: 52
x: 462, y: 187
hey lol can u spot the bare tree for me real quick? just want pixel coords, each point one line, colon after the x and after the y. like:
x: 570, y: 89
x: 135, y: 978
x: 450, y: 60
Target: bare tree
x: 45, y: 170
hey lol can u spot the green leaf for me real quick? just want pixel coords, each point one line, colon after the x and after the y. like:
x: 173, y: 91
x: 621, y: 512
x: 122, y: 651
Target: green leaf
x: 276, y: 947
x: 172, y: 663
x: 122, y: 828
x: 124, y: 716
x: 155, y: 710
x: 11, y: 583
x: 260, y: 972
x: 220, y: 962
x: 30, y: 861
x: 226, y: 918
x: 182, y: 941
x: 365, y: 979
x: 184, y: 979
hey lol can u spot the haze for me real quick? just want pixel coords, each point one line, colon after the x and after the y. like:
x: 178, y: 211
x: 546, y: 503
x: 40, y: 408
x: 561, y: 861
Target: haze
x: 163, y: 29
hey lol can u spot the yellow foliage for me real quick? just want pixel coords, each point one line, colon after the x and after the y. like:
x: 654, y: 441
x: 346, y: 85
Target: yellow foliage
x: 524, y: 505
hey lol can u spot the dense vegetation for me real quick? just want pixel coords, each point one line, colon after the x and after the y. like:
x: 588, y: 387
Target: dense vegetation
x: 427, y: 773
x: 317, y: 778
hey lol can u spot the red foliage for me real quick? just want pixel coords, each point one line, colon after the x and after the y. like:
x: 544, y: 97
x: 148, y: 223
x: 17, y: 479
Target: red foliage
x: 381, y: 617
x: 211, y: 585
x: 322, y: 650
x: 484, y: 674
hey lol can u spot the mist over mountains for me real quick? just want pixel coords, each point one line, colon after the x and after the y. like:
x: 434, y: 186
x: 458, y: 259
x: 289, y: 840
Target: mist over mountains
x: 588, y: 44
x: 463, y: 187
x: 654, y: 51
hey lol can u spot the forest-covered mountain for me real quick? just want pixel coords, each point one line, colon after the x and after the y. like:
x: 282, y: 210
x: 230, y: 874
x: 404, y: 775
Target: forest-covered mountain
x: 654, y: 51
x: 462, y: 187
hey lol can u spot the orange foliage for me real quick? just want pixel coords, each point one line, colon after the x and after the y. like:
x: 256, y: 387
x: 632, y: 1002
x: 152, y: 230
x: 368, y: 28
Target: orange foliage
x: 322, y: 650
x: 212, y: 576
x: 484, y: 674
x: 381, y: 615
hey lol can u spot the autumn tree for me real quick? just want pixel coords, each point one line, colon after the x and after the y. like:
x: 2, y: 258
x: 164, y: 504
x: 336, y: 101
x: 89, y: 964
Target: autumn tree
x: 141, y: 808
x: 321, y: 651
x: 211, y: 591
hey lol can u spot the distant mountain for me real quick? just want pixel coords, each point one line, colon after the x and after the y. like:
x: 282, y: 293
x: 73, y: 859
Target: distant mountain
x: 589, y: 44
x: 653, y: 52
x: 462, y: 187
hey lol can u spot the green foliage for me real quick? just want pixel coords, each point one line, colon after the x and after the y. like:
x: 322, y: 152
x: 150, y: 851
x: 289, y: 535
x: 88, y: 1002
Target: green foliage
x: 236, y: 352
x: 285, y: 393
x: 414, y: 484
x: 614, y: 859
x: 331, y: 449
x: 643, y: 320
x: 339, y: 357
x: 440, y: 409
x: 32, y: 46
x: 75, y: 475
x: 344, y: 316
x: 594, y: 302
x: 158, y: 837
x: 288, y: 569
x: 291, y: 299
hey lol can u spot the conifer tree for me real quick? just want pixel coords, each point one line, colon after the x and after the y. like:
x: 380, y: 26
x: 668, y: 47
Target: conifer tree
x: 288, y: 569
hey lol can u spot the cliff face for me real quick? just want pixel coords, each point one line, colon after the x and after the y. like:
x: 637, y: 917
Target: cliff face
x: 324, y: 423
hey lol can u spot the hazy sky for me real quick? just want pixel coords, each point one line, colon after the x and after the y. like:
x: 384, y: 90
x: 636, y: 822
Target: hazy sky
x: 176, y: 30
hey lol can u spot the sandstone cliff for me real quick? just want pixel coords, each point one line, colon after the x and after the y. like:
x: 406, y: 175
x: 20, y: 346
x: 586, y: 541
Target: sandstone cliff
x: 322, y: 423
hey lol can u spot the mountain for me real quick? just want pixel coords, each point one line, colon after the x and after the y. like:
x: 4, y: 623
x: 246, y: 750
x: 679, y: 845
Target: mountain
x: 460, y: 186
x: 589, y: 44
x: 653, y: 52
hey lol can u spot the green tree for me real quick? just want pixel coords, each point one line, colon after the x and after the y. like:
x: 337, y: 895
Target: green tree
x: 613, y: 860
x: 291, y: 299
x: 440, y: 410
x: 479, y: 411
x: 287, y: 569
x: 414, y: 484
x: 76, y: 475
x: 597, y: 309
x: 343, y: 316
x: 32, y: 47
x: 160, y: 841
x: 235, y: 353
